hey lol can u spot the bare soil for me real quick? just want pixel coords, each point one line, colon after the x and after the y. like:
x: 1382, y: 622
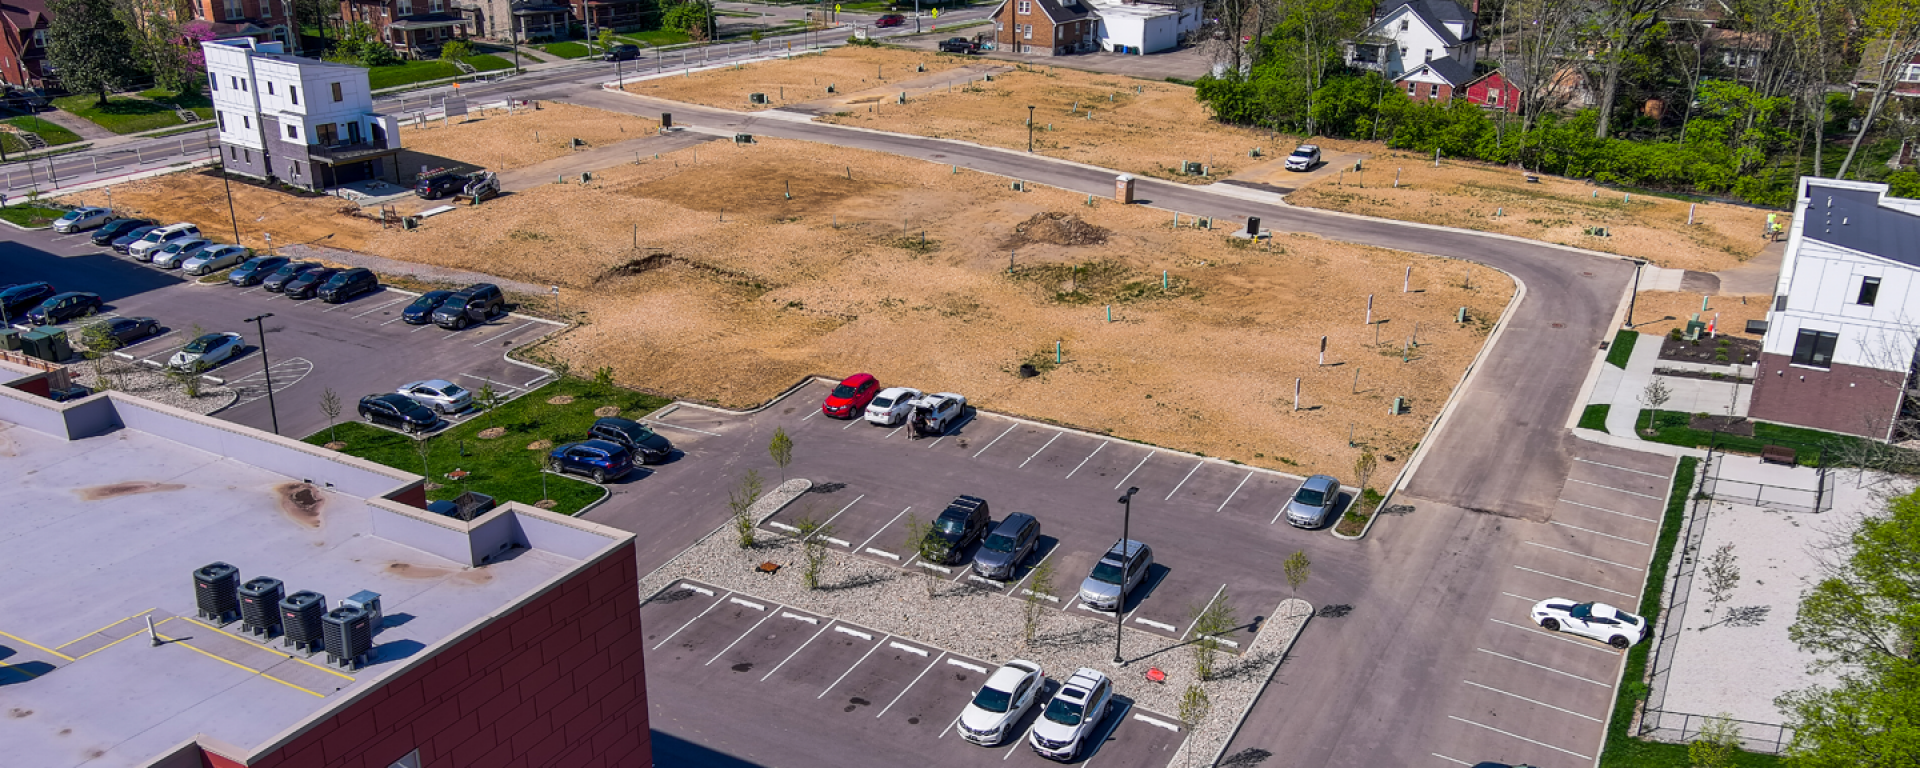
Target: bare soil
x: 1733, y: 311
x: 201, y: 197
x: 802, y: 78
x: 501, y: 141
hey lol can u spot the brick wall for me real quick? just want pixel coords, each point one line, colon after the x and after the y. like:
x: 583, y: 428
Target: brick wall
x: 1426, y: 91
x: 1848, y: 399
x: 559, y: 682
x: 1012, y: 39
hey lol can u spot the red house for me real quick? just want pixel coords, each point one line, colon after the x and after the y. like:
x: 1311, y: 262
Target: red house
x: 1492, y: 91
x: 23, y: 42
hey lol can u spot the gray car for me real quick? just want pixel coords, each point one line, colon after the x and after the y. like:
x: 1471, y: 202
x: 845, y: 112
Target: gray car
x: 1312, y: 505
x: 1010, y: 544
x: 172, y: 255
x: 1119, y: 571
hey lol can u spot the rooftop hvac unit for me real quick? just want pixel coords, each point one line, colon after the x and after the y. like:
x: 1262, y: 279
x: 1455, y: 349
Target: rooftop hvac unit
x: 300, y: 614
x: 216, y: 592
x: 260, y: 606
x: 349, y: 633
x: 368, y: 601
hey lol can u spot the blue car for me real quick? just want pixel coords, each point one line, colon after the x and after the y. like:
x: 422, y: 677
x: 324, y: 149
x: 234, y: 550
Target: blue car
x: 598, y: 459
x: 126, y: 241
x: 420, y: 312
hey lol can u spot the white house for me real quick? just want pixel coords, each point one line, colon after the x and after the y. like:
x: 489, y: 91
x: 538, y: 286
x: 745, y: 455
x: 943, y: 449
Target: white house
x: 1130, y: 26
x: 304, y: 122
x: 1841, y: 336
x: 1407, y: 33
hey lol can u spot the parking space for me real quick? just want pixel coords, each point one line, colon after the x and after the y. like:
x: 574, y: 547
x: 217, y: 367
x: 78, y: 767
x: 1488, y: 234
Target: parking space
x: 781, y: 674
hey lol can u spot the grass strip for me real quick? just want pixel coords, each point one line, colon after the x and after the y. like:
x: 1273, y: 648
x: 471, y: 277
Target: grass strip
x: 409, y: 72
x: 1595, y: 416
x: 565, y: 50
x: 1621, y: 348
x: 51, y: 133
x: 31, y: 215
x: 1675, y: 428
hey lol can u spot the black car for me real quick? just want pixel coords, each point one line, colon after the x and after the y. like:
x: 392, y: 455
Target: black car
x: 126, y: 239
x: 277, y: 281
x: 347, y: 284
x: 648, y: 446
x: 63, y: 307
x: 256, y: 270
x: 621, y: 52
x: 477, y: 304
x: 958, y: 45
x: 436, y: 187
x: 960, y: 524
x: 114, y: 230
x: 306, y: 284
x: 127, y: 330
x: 420, y: 312
x: 18, y: 300
x: 397, y: 411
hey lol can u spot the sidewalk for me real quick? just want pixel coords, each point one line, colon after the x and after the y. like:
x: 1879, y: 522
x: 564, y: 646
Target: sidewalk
x: 1622, y: 388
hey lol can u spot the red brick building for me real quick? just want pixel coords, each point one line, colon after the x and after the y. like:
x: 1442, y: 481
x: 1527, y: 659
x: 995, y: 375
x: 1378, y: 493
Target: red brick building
x: 1492, y: 91
x: 1435, y: 79
x: 261, y: 20
x: 23, y: 42
x: 1044, y: 27
x: 415, y: 29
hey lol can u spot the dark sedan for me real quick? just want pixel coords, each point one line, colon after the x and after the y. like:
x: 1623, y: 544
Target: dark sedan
x: 420, y: 312
x: 277, y: 281
x: 131, y: 236
x: 255, y: 270
x: 397, y: 411
x: 128, y: 330
x: 16, y: 301
x: 305, y: 284
x: 114, y: 230
x: 63, y: 307
x: 648, y: 445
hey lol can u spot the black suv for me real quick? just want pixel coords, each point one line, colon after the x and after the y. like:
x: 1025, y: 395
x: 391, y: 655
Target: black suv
x: 436, y: 187
x: 16, y: 301
x: 277, y: 281
x: 112, y: 230
x: 346, y: 285
x: 255, y: 270
x: 647, y: 445
x: 306, y: 284
x: 477, y: 304
x: 397, y: 411
x: 962, y: 523
x: 621, y: 52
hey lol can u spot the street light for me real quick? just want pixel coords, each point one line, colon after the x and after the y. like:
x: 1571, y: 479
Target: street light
x: 1126, y: 554
x: 266, y: 369
x: 1029, y: 129
x: 1637, y: 264
x: 231, y: 216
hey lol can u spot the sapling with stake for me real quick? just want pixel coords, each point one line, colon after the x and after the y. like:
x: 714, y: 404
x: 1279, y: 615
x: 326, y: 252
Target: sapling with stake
x: 741, y: 500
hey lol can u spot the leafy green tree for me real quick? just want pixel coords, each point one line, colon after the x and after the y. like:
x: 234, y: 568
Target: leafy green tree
x: 1893, y: 27
x: 1719, y: 742
x: 781, y: 447
x: 455, y: 50
x: 689, y: 17
x: 360, y: 44
x: 87, y: 42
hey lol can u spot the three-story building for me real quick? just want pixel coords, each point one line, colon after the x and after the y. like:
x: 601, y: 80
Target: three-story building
x: 304, y: 122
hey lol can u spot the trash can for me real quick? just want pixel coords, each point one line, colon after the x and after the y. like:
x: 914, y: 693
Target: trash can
x: 1123, y: 189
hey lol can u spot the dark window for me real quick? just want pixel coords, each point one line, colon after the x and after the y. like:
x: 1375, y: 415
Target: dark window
x: 213, y: 80
x: 293, y: 92
x: 1869, y: 290
x: 1815, y: 348
x: 269, y: 87
x: 1779, y: 303
x: 223, y: 119
x: 336, y: 93
x: 293, y: 132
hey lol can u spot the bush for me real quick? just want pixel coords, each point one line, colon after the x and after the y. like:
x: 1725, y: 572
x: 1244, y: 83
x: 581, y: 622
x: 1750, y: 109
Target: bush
x: 455, y: 50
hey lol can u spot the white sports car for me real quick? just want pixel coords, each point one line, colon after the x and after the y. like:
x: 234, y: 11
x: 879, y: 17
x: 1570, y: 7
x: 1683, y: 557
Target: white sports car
x: 207, y: 351
x: 891, y: 405
x: 1001, y: 702
x: 1599, y: 621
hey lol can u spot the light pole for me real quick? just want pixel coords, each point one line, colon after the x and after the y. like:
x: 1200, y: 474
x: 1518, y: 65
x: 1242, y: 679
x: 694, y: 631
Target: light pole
x: 231, y: 216
x: 266, y: 369
x: 1029, y: 129
x: 1126, y: 554
x: 1637, y: 264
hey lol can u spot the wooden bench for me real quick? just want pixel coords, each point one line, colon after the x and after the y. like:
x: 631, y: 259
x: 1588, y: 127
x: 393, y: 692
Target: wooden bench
x: 1774, y: 454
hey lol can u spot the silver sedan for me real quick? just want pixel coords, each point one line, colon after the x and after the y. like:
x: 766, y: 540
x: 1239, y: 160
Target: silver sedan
x: 439, y: 394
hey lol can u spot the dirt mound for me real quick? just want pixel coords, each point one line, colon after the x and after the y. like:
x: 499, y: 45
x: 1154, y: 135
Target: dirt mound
x: 1055, y: 228
x: 539, y: 445
x: 492, y: 432
x: 606, y: 411
x: 560, y: 400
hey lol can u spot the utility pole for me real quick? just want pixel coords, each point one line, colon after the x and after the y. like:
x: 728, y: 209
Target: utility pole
x: 266, y: 368
x: 1127, y: 554
x: 1029, y: 129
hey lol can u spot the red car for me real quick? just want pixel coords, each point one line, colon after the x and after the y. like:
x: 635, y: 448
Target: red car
x: 890, y: 20
x: 850, y: 399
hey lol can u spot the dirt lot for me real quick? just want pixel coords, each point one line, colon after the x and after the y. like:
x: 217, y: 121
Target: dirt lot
x: 1556, y: 210
x: 199, y: 197
x: 802, y: 78
x: 499, y: 141
x: 1733, y: 311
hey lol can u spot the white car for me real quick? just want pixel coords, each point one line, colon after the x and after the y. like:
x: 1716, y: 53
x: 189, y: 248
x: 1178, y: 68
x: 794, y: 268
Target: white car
x: 891, y: 405
x: 1072, y: 715
x: 143, y: 248
x: 172, y: 255
x: 1001, y: 702
x: 439, y: 394
x: 1304, y: 158
x: 936, y: 413
x: 214, y: 258
x: 1599, y: 621
x: 207, y: 351
x: 82, y: 218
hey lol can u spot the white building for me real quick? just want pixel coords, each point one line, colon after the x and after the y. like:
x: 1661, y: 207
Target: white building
x: 1127, y: 26
x: 1408, y: 33
x: 304, y: 122
x: 1841, y: 336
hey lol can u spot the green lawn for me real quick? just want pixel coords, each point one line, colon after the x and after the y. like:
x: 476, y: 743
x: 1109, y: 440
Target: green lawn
x: 502, y: 468
x: 12, y: 143
x: 199, y: 103
x: 31, y: 215
x: 1672, y: 428
x: 657, y: 37
x: 409, y: 72
x: 565, y: 50
x: 52, y: 134
x: 487, y: 62
x: 122, y: 114
x: 1621, y: 348
x: 1595, y: 417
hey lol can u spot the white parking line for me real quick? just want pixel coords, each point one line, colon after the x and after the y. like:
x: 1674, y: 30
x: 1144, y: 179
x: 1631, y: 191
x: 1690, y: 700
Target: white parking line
x: 965, y: 420
x: 1521, y: 597
x: 1597, y: 533
x: 500, y: 384
x: 424, y: 327
x: 378, y: 308
x: 836, y: 516
x: 1136, y: 468
x: 1152, y: 623
x: 1453, y: 759
x: 397, y: 318
x: 964, y: 665
x: 1520, y: 737
x: 1621, y: 468
x: 1531, y: 701
x: 883, y: 553
x: 883, y: 529
x: 677, y: 426
x: 908, y: 648
x: 683, y: 627
x: 1010, y: 428
x: 1611, y: 488
x: 1236, y: 492
x: 783, y: 526
x: 1576, y: 581
x: 1588, y: 557
x: 1023, y: 579
x: 798, y: 617
x: 1036, y: 454
x: 850, y: 424
x: 1183, y: 481
x: 896, y: 430
x: 695, y: 588
x: 1203, y: 609
x: 916, y: 679
x: 1156, y: 722
x: 815, y: 412
x: 841, y: 542
x: 1545, y: 667
x: 1083, y: 462
x: 796, y: 651
x: 1070, y: 600
x: 1535, y: 629
x: 856, y: 665
x: 736, y: 641
x: 491, y: 339
x: 932, y: 567
x: 1021, y: 739
x: 1608, y: 511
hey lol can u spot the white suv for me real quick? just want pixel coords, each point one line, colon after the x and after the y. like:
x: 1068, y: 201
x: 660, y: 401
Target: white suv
x: 1072, y: 716
x: 143, y: 248
x: 891, y: 405
x: 1304, y: 158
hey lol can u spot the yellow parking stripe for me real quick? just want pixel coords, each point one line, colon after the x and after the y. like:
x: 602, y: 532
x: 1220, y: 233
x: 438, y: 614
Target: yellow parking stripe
x: 210, y: 655
x: 18, y: 638
x: 294, y: 658
x: 110, y: 626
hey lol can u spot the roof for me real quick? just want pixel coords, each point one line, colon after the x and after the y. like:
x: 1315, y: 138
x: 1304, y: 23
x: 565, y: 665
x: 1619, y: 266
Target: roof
x: 25, y: 14
x: 1436, y: 13
x: 103, y: 532
x: 1057, y: 11
x: 1450, y: 69
x: 1857, y: 217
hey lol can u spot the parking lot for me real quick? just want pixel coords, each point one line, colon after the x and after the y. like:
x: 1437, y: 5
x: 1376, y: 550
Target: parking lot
x: 355, y: 348
x: 799, y: 683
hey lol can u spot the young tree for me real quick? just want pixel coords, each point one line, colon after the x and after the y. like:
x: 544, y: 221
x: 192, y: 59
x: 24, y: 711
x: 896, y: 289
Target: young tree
x: 1723, y: 575
x: 87, y: 42
x: 1039, y: 589
x: 330, y: 407
x: 1210, y: 621
x: 1298, y: 568
x: 603, y: 377
x: 781, y: 447
x: 101, y: 344
x: 455, y: 50
x: 813, y: 543
x: 540, y: 468
x: 1363, y: 468
x: 1719, y: 741
x: 921, y: 543
x: 424, y: 447
x: 1655, y: 395
x: 741, y: 500
x: 1194, y: 706
x: 488, y: 398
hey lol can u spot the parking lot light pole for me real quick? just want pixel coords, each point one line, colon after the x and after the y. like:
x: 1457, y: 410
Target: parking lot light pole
x: 1632, y: 297
x: 266, y: 369
x: 1126, y: 558
x: 1029, y: 129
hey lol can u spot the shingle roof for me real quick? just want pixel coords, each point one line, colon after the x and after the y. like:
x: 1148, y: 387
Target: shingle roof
x: 1064, y: 10
x: 1450, y: 69
x: 1854, y: 219
x: 1436, y: 13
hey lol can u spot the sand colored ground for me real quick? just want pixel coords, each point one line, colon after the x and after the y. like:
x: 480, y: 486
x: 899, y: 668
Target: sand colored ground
x: 802, y: 78
x: 1557, y: 210
x: 201, y: 198
x: 735, y: 311
x: 1733, y: 311
x: 499, y: 141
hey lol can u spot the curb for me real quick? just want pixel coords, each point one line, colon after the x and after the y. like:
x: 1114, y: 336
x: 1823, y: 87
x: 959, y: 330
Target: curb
x: 109, y: 181
x: 1285, y: 648
x: 1593, y: 370
x: 808, y: 486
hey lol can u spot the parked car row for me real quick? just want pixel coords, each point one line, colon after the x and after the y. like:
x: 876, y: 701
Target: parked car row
x: 476, y: 303
x: 860, y: 396
x: 1062, y: 730
x: 1004, y: 547
x: 180, y: 246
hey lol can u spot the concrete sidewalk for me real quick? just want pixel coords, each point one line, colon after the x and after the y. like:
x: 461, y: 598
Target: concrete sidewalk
x: 1622, y: 388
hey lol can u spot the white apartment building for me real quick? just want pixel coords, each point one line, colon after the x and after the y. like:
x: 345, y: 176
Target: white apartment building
x: 304, y: 122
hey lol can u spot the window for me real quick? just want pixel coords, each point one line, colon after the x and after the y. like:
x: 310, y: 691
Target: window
x: 1433, y: 91
x: 293, y: 132
x: 1912, y: 75
x: 296, y: 169
x: 1403, y: 25
x: 293, y: 92
x: 213, y: 81
x: 436, y: 6
x: 247, y: 155
x: 1028, y: 31
x: 40, y: 37
x: 233, y: 153
x: 999, y: 26
x: 1026, y: 7
x: 1410, y: 87
x: 1429, y: 55
x: 1815, y: 348
x: 246, y: 121
x: 1493, y: 98
x: 1869, y: 290
x: 234, y: 10
x: 406, y: 7
x: 269, y: 87
x: 243, y: 84
x: 234, y: 80
x: 222, y: 116
x: 336, y: 93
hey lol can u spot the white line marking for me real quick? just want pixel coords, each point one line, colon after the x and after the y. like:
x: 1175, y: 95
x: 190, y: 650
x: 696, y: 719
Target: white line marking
x: 1083, y: 462
x: 747, y: 603
x: 1010, y: 428
x: 1136, y: 468
x: 1152, y: 623
x: 884, y: 553
x: 1576, y: 581
x: 798, y: 617
x: 989, y: 582
x: 1036, y: 454
x: 378, y: 308
x: 1597, y: 533
x: 782, y: 526
x: 810, y: 415
x: 1611, y: 488
x: 896, y: 430
x: 850, y: 424
x: 701, y: 590
x: 1623, y: 469
x: 397, y: 318
x: 1183, y: 481
x: 836, y: 516
x: 916, y: 679
x: 1021, y: 739
x: 1453, y: 760
x: 956, y: 721
x: 683, y: 627
x: 932, y: 567
x: 908, y: 648
x: 491, y: 339
x: 1521, y: 597
x: 1023, y: 579
x: 883, y: 529
x: 424, y: 327
x: 1545, y: 667
x: 843, y: 675
x: 796, y: 652
x: 854, y: 632
x: 1522, y: 738
x: 736, y: 641
x: 832, y: 540
x: 1236, y: 492
x: 1070, y: 600
x: 1608, y: 511
x: 677, y: 426
x: 1531, y: 701
x: 1156, y: 722
x: 1589, y: 557
x: 1050, y: 598
x: 964, y: 665
x: 1538, y: 630
x: 1092, y: 609
x: 1203, y: 609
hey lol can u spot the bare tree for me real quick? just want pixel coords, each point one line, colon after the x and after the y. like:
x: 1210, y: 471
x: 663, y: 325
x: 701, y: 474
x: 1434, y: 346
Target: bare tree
x: 1226, y: 24
x: 1535, y: 37
x: 813, y: 536
x: 1894, y: 25
x: 330, y: 407
x: 1723, y: 575
x: 740, y: 501
x: 1363, y: 468
x: 1616, y: 31
x: 1039, y: 588
x: 1655, y: 395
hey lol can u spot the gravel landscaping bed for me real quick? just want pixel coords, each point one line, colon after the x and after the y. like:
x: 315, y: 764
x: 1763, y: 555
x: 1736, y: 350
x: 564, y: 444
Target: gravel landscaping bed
x: 970, y: 621
x: 152, y: 384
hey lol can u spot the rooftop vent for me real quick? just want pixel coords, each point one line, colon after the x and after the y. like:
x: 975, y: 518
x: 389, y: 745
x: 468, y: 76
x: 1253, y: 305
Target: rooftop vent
x: 349, y: 633
x: 301, y: 613
x: 260, y: 606
x: 216, y: 592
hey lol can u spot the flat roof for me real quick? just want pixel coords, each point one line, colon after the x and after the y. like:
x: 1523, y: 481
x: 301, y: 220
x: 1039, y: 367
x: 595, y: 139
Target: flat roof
x: 102, y: 533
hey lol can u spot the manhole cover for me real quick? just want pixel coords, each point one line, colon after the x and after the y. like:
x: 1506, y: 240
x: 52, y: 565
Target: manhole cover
x: 1559, y: 325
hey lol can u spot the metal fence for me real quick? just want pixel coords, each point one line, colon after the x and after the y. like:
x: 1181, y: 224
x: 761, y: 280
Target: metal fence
x: 1681, y: 727
x: 1816, y: 499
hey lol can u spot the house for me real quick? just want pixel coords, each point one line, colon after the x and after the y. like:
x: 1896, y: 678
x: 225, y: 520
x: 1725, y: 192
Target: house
x: 1407, y: 33
x: 23, y: 43
x: 1704, y: 12
x: 414, y: 29
x: 1044, y: 27
x: 516, y: 20
x: 1906, y: 76
x: 1741, y: 53
x: 1841, y: 335
x: 597, y: 15
x: 1435, y: 79
x: 263, y: 20
x: 304, y: 122
x: 1492, y: 91
x: 1144, y: 26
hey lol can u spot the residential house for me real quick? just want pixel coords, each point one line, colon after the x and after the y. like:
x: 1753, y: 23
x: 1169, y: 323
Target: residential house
x: 23, y: 43
x: 1436, y: 79
x: 516, y: 20
x: 597, y: 15
x: 1740, y: 53
x: 1906, y: 77
x: 263, y: 20
x: 304, y: 122
x: 1044, y: 27
x: 1407, y: 33
x: 413, y: 28
x: 1492, y: 91
x: 1839, y: 352
x: 1704, y: 12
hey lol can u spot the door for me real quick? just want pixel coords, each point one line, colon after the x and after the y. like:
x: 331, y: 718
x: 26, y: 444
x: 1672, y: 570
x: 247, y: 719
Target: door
x: 353, y: 132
